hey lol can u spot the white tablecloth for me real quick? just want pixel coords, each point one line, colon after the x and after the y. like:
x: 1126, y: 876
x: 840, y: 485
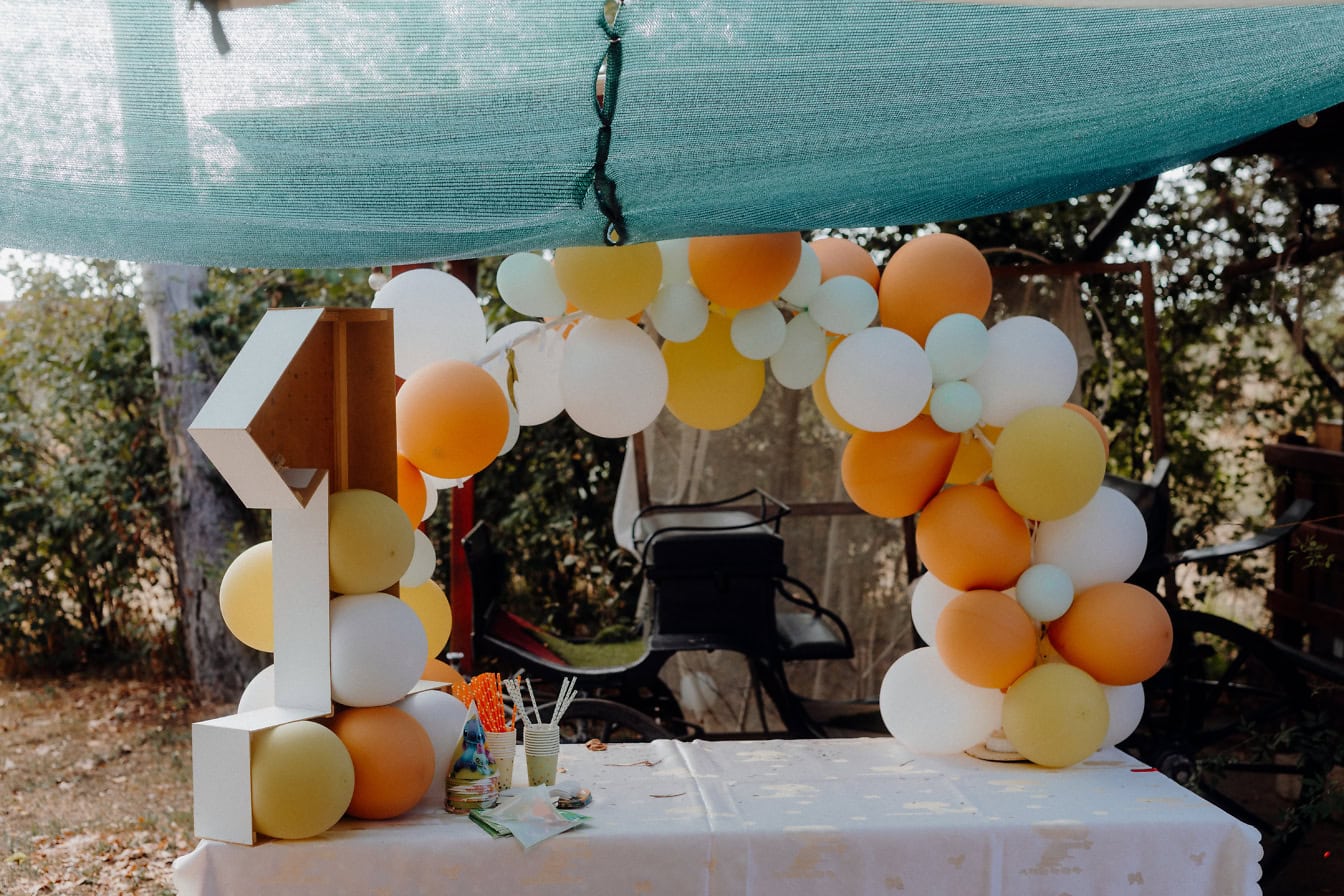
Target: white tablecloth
x: 781, y: 817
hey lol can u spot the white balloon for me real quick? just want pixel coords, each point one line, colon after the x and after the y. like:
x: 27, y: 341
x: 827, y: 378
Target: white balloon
x: 538, y: 353
x: 434, y: 483
x: 930, y: 710
x: 442, y: 716
x: 423, y: 561
x: 1103, y: 542
x: 1045, y: 591
x: 759, y: 332
x: 260, y: 691
x: 1030, y: 363
x: 844, y: 304
x: 878, y: 379
x: 613, y: 378
x: 931, y: 594
x: 956, y: 347
x: 435, y: 316
x: 511, y: 437
x: 527, y: 284
x: 676, y: 261
x: 806, y: 279
x: 1126, y: 705
x: 802, y: 357
x: 955, y: 406
x: 679, y: 312
x: 378, y: 649
x: 431, y: 502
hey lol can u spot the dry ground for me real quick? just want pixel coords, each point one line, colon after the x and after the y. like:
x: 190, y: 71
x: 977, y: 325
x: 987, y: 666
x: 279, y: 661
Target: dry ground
x: 96, y: 784
x: 95, y: 791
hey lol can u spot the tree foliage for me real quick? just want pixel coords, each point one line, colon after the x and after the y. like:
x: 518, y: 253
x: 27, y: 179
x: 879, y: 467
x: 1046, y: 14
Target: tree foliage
x: 85, y: 561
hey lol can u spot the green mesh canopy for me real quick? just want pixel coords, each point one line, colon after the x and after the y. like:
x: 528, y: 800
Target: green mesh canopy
x: 380, y: 131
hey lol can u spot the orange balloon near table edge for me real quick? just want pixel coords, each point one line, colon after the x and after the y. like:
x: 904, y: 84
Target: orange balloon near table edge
x: 986, y: 639
x: 1118, y: 633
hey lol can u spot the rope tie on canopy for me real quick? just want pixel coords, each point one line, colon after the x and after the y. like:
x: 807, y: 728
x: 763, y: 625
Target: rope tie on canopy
x: 604, y: 102
x: 216, y: 26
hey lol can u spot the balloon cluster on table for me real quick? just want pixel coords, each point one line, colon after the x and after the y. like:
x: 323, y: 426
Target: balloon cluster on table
x: 1032, y: 628
x: 385, y: 748
x: 1031, y: 625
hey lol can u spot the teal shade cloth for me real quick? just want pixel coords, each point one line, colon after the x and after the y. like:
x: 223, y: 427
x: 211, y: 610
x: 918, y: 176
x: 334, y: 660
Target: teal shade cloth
x: 384, y: 131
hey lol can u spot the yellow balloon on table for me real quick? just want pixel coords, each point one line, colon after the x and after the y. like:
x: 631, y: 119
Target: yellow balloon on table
x: 709, y: 385
x: 1048, y: 463
x: 744, y: 271
x: 246, y: 598
x: 1055, y: 715
x: 302, y: 780
x: 370, y: 541
x: 610, y: 282
x: 435, y: 612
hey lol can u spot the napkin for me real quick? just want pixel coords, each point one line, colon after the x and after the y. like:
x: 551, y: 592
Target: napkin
x: 530, y: 816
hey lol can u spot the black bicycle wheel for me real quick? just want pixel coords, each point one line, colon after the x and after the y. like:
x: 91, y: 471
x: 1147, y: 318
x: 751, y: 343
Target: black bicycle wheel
x: 1223, y: 717
x: 589, y: 718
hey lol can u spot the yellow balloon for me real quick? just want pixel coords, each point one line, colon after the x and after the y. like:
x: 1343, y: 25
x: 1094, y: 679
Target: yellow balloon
x: 612, y: 282
x: 302, y: 780
x: 371, y: 541
x: 1055, y: 715
x: 246, y: 598
x: 436, y: 614
x: 709, y: 385
x: 823, y: 399
x: 1048, y: 463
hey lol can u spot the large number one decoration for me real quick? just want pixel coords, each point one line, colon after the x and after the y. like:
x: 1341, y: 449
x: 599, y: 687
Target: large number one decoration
x: 306, y: 409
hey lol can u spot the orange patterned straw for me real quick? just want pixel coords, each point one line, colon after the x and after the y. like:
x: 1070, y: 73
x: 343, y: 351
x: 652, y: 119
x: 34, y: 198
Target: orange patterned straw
x: 485, y: 690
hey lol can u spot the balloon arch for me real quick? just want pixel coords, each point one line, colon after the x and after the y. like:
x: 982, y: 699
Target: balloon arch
x: 1037, y: 644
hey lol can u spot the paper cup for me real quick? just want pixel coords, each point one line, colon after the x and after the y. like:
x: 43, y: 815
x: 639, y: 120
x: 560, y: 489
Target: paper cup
x: 503, y: 745
x: 541, y: 744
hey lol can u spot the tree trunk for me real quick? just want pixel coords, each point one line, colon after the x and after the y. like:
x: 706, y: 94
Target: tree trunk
x: 205, y: 515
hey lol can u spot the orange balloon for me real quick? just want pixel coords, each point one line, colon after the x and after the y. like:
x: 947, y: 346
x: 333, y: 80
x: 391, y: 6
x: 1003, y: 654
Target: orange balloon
x: 438, y: 670
x: 823, y: 399
x: 929, y: 278
x: 744, y: 271
x: 411, y: 490
x: 452, y: 419
x: 969, y: 538
x: 709, y: 385
x: 393, y: 757
x: 840, y: 256
x: 1096, y: 424
x: 986, y: 639
x: 895, y: 473
x: 973, y: 460
x: 610, y: 281
x: 1116, y: 632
